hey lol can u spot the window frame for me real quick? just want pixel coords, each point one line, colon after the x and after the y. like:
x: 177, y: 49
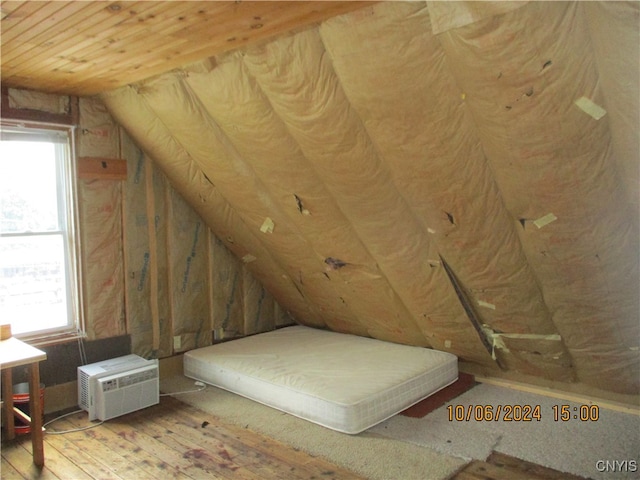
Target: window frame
x: 69, y: 213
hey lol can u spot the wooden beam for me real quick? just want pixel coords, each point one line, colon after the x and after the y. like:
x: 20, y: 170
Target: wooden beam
x: 96, y: 168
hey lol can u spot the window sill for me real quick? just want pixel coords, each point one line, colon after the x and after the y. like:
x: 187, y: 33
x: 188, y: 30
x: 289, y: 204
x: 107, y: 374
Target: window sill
x: 50, y: 339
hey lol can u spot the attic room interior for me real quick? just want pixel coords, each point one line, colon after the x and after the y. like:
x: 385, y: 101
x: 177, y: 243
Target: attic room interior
x: 385, y: 240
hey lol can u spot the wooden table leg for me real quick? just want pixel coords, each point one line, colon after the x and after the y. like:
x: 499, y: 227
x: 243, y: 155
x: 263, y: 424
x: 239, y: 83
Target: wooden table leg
x: 7, y: 387
x: 35, y: 409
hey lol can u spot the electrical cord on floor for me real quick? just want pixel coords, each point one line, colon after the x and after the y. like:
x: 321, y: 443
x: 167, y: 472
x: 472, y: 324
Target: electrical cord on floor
x: 201, y: 386
x: 197, y: 384
x: 60, y: 432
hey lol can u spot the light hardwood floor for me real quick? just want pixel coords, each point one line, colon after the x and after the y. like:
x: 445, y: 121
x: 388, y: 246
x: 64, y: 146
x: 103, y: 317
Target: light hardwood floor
x: 503, y: 467
x: 169, y: 440
x: 176, y: 440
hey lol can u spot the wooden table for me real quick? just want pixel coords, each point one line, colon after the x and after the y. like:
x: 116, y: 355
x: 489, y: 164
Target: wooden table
x: 14, y: 353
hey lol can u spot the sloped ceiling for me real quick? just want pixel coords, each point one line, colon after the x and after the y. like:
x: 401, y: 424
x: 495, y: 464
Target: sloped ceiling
x: 460, y: 176
x: 440, y: 175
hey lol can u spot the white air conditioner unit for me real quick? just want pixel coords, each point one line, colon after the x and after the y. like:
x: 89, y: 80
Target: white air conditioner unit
x: 121, y: 385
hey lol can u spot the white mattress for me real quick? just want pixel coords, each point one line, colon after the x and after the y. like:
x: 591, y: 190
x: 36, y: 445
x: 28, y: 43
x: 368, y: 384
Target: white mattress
x: 344, y: 382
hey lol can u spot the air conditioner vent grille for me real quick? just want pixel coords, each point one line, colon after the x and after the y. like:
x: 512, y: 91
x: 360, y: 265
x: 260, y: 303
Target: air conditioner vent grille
x: 83, y: 378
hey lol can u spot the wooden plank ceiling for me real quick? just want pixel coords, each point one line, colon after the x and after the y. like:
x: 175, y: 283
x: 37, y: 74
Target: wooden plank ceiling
x: 82, y: 48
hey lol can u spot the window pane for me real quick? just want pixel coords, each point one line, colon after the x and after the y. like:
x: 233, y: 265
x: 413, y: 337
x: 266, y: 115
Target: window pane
x: 38, y: 286
x: 28, y: 187
x: 33, y: 292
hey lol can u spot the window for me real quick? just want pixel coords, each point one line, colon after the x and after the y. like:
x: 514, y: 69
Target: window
x: 38, y: 267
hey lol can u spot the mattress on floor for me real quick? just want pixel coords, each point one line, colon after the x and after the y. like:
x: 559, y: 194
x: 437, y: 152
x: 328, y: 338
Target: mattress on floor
x: 344, y: 382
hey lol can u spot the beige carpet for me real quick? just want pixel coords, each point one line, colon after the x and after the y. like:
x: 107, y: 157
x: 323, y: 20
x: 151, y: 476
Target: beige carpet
x: 577, y: 447
x: 433, y: 447
x: 369, y: 454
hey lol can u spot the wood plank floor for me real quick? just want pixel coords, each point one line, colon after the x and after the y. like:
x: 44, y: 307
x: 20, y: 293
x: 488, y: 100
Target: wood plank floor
x: 169, y: 440
x: 176, y: 440
x: 503, y: 467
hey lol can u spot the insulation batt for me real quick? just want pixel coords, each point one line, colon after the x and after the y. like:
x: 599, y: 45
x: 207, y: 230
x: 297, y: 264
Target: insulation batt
x: 101, y: 233
x: 416, y: 145
x: 404, y: 133
x: 144, y: 127
x: 234, y: 97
